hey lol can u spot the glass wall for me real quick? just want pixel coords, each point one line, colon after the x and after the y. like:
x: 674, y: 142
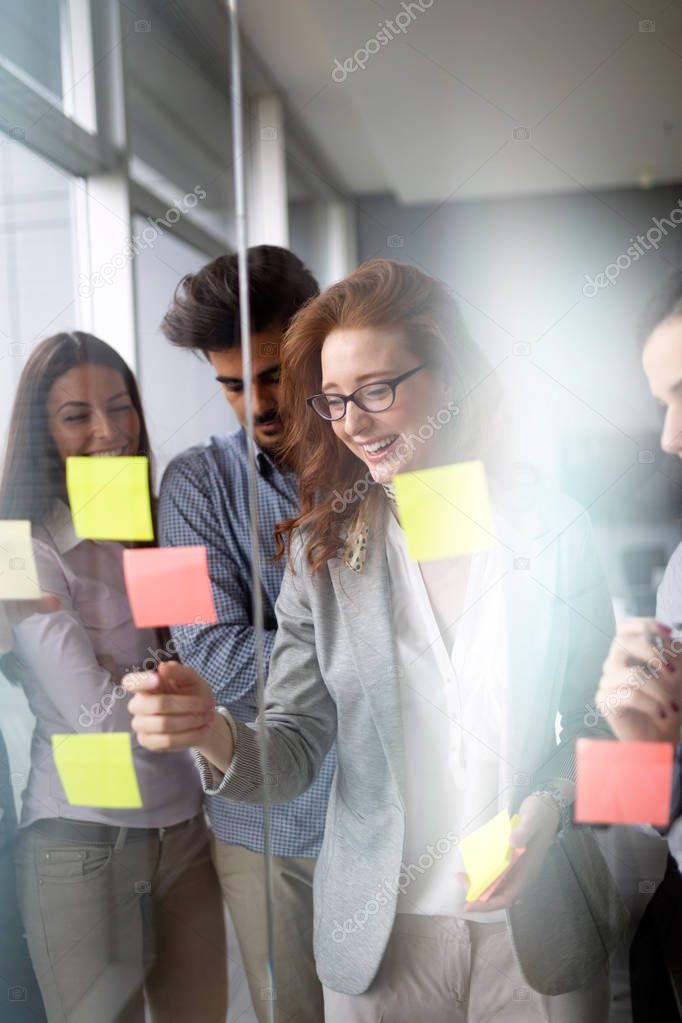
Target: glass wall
x: 475, y: 487
x: 198, y: 408
x: 38, y: 293
x: 32, y: 40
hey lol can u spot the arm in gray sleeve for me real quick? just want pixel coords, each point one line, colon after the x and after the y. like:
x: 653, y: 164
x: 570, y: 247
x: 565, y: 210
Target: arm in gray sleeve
x: 298, y: 722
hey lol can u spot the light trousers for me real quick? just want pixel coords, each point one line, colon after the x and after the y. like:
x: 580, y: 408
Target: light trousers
x: 242, y: 879
x: 448, y: 970
x: 112, y: 926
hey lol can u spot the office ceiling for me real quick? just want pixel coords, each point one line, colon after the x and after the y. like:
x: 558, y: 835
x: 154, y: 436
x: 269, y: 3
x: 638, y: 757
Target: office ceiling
x: 480, y: 98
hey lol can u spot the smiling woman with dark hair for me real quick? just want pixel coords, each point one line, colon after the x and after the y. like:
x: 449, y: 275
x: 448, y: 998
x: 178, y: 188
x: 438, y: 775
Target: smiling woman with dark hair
x: 441, y: 681
x: 110, y: 898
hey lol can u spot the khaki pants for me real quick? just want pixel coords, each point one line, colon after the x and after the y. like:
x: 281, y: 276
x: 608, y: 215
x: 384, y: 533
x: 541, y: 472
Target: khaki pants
x: 447, y: 970
x: 114, y: 925
x: 242, y: 879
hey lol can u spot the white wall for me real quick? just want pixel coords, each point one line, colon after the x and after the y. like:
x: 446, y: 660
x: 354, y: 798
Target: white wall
x: 183, y: 403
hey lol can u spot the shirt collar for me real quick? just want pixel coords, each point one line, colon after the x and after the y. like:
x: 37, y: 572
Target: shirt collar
x: 265, y: 462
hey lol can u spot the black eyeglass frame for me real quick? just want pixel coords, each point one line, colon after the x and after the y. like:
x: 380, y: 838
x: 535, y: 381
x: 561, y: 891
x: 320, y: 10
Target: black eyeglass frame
x: 353, y: 397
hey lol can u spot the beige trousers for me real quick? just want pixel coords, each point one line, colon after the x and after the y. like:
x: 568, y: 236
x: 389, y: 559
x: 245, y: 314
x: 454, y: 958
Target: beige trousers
x: 242, y: 879
x: 114, y: 926
x: 446, y: 970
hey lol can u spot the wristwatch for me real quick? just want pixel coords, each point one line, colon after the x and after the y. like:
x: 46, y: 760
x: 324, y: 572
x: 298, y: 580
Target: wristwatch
x: 563, y: 805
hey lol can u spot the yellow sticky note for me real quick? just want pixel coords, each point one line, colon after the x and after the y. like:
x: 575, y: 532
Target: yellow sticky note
x: 97, y: 770
x: 18, y: 573
x: 445, y: 511
x: 486, y: 853
x: 109, y: 497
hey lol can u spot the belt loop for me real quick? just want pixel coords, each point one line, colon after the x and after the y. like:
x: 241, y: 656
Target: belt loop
x: 120, y: 839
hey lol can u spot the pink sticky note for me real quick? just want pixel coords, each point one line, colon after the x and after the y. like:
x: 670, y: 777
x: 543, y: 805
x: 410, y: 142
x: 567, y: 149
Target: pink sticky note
x: 491, y: 889
x: 623, y: 782
x: 168, y: 586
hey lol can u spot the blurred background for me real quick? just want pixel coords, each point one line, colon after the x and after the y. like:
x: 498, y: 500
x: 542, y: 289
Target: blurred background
x: 514, y: 150
x: 527, y: 153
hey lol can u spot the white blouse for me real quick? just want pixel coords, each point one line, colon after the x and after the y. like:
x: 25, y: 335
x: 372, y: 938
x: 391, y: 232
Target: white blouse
x: 452, y: 723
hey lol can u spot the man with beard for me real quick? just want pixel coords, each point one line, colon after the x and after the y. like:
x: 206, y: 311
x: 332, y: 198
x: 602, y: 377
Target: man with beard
x: 204, y: 500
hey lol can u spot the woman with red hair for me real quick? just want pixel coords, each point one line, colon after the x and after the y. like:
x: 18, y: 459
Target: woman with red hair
x: 441, y: 681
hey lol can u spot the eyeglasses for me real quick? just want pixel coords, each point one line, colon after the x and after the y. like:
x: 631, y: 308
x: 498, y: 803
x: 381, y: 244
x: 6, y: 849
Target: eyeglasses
x: 374, y: 397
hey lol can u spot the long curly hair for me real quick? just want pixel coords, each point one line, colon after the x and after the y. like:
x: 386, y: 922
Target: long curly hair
x: 380, y: 293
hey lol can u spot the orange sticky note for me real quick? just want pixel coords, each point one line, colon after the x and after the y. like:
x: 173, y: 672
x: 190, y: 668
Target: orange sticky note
x: 623, y: 782
x: 169, y: 586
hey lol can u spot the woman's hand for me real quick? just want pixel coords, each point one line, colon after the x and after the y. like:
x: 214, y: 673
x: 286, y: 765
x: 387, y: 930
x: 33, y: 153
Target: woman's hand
x: 640, y: 691
x: 539, y: 820
x: 173, y: 709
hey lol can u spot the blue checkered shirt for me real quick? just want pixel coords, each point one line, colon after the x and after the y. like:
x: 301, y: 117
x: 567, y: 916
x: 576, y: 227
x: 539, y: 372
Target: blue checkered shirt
x: 204, y: 500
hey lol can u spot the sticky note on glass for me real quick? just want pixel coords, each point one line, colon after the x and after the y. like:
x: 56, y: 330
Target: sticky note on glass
x: 18, y: 573
x: 169, y: 586
x: 487, y: 855
x: 445, y: 511
x: 109, y: 497
x: 623, y: 782
x: 97, y: 770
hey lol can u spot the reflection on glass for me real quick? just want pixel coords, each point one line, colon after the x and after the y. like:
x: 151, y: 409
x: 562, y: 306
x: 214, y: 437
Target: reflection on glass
x: 108, y: 892
x: 36, y: 217
x: 31, y: 40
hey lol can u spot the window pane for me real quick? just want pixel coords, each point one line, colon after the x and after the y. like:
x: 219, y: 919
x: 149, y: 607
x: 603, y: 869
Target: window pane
x: 37, y: 274
x: 31, y: 39
x: 202, y: 411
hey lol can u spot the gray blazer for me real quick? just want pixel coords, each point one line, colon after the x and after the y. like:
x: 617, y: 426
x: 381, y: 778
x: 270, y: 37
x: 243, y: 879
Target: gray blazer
x: 333, y: 676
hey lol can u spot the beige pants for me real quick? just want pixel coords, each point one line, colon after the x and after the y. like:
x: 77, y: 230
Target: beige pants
x: 111, y: 927
x: 242, y: 879
x: 445, y: 970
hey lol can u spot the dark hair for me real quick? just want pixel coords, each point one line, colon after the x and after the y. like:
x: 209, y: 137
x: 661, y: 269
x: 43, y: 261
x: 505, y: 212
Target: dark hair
x: 664, y: 304
x: 204, y: 313
x: 380, y: 293
x: 33, y: 474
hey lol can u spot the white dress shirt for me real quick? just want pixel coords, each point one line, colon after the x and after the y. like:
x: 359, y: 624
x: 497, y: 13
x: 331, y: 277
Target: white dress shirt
x: 452, y: 724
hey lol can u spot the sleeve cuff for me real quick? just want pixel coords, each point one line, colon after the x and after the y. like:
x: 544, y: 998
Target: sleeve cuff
x: 212, y: 779
x: 237, y: 783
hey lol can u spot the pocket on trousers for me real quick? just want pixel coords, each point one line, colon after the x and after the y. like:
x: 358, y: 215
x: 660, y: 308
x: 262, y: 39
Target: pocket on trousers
x: 71, y: 864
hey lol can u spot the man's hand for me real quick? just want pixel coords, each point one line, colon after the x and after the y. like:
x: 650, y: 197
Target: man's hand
x: 535, y: 831
x: 640, y: 691
x: 173, y: 709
